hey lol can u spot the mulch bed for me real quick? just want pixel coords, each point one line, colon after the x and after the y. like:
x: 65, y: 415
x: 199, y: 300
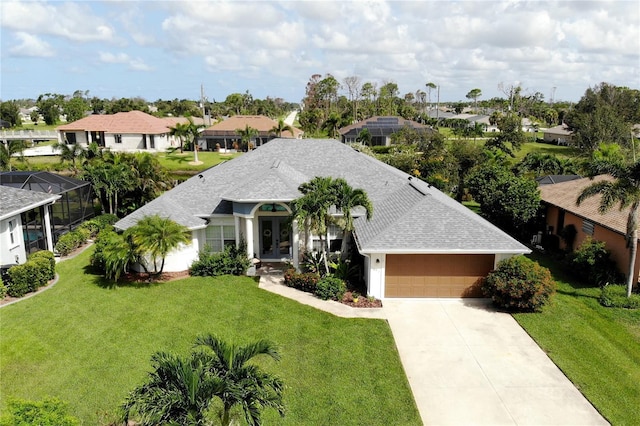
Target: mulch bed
x: 361, y: 301
x: 134, y: 277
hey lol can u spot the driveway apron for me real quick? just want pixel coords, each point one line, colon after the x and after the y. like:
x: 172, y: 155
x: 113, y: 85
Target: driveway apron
x: 468, y: 364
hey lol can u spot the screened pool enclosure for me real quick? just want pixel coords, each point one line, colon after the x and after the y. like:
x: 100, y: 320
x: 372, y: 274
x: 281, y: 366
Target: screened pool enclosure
x: 74, y: 207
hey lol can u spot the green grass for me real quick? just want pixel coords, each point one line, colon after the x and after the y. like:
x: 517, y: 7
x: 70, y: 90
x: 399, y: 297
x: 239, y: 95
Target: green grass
x: 173, y: 162
x: 546, y: 148
x: 89, y: 344
x: 597, y: 348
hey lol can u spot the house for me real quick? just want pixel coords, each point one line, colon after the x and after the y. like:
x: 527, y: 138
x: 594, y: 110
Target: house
x: 123, y: 131
x: 380, y: 128
x: 74, y: 205
x: 562, y: 211
x: 25, y: 218
x: 419, y: 243
x: 223, y: 135
x: 559, y: 135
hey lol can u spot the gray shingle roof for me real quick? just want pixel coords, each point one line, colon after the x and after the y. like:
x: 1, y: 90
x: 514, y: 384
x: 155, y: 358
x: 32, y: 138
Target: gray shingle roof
x: 14, y: 201
x: 409, y: 216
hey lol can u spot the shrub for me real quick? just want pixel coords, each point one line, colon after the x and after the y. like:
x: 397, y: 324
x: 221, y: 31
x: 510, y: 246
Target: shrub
x: 330, y: 287
x: 615, y: 296
x: 67, y: 243
x: 98, y: 223
x: 3, y: 289
x: 45, y: 254
x: 41, y: 271
x: 231, y: 261
x: 592, y: 263
x: 97, y: 259
x: 27, y: 277
x: 47, y: 412
x: 520, y: 284
x: 305, y: 281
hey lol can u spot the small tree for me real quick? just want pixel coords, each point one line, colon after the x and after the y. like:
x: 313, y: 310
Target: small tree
x: 157, y: 236
x: 280, y: 128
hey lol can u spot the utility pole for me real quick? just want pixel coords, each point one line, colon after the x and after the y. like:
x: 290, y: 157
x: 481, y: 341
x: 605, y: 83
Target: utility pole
x: 202, y: 99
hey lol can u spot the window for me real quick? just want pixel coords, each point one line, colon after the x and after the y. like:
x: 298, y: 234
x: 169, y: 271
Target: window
x: 219, y: 236
x: 334, y: 242
x: 152, y: 142
x: 118, y: 138
x: 12, y: 228
x: 587, y: 227
x: 70, y: 137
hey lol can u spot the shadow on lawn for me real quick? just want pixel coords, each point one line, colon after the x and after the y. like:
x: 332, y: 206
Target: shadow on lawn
x: 123, y: 282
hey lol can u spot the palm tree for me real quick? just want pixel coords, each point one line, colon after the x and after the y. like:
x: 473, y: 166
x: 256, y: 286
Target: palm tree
x: 8, y: 150
x: 178, y: 391
x: 157, y: 236
x: 243, y: 384
x: 280, y: 128
x: 348, y: 198
x: 312, y: 209
x: 332, y: 124
x: 247, y: 134
x: 364, y: 137
x: 624, y: 190
x: 72, y: 153
x: 180, y: 131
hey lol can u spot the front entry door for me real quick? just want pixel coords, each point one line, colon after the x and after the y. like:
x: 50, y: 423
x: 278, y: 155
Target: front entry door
x: 275, y: 237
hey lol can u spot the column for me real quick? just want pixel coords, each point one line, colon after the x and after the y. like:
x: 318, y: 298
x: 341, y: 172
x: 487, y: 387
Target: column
x: 249, y: 225
x: 48, y: 230
x: 296, y: 244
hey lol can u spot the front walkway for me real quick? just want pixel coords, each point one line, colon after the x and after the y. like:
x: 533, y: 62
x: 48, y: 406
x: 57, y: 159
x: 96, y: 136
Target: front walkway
x: 468, y: 364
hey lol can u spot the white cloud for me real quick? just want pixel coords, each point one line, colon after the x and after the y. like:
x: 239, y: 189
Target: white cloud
x: 72, y: 21
x: 30, y: 45
x: 134, y: 64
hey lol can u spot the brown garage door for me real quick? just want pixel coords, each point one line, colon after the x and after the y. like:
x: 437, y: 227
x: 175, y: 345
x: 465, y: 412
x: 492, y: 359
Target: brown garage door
x: 436, y: 275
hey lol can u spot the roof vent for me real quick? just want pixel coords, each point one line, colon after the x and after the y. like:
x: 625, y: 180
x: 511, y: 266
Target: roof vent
x: 275, y: 164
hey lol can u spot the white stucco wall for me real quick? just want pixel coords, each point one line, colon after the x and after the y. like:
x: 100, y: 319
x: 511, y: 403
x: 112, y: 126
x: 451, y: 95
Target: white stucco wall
x: 8, y: 251
x: 375, y: 272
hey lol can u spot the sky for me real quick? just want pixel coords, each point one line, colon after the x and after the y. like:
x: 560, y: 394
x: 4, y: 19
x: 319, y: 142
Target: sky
x: 169, y: 49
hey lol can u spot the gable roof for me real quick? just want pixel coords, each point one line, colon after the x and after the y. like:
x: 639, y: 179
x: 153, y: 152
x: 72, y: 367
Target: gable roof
x: 382, y: 126
x: 409, y: 215
x: 261, y: 123
x: 14, y: 201
x: 136, y: 122
x: 565, y: 194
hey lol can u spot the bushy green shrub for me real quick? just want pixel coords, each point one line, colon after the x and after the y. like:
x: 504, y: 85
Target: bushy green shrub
x: 519, y: 284
x: 305, y: 281
x: 47, y: 412
x: 45, y: 254
x: 330, y: 287
x: 592, y: 263
x: 615, y: 296
x: 231, y: 261
x: 3, y: 289
x: 72, y: 240
x: 98, y: 223
x: 97, y: 259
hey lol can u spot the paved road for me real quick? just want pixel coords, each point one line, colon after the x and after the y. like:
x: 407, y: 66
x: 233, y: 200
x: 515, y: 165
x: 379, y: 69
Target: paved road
x: 291, y: 118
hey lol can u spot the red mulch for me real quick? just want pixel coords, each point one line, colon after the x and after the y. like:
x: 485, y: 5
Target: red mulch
x: 362, y: 301
x: 134, y: 277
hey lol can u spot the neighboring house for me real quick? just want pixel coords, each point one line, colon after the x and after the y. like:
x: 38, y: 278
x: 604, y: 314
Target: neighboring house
x: 123, y: 131
x: 561, y: 211
x: 18, y: 228
x: 419, y: 243
x: 75, y: 204
x: 551, y: 179
x: 559, y: 135
x: 223, y: 135
x: 381, y: 129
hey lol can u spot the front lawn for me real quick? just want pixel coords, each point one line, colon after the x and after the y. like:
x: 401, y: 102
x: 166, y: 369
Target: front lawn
x: 597, y: 348
x: 89, y: 344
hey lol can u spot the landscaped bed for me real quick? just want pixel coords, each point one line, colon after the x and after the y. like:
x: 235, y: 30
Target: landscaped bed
x: 598, y: 348
x: 88, y: 342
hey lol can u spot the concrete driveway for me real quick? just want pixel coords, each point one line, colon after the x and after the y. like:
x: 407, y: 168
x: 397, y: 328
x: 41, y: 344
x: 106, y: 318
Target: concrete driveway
x: 468, y: 364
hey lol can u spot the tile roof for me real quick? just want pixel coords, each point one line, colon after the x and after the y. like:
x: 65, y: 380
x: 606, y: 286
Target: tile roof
x: 565, y: 194
x: 261, y: 123
x: 121, y: 122
x: 14, y: 201
x: 409, y: 215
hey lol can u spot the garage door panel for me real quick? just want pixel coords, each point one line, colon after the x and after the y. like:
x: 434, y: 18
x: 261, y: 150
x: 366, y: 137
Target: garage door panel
x: 436, y: 275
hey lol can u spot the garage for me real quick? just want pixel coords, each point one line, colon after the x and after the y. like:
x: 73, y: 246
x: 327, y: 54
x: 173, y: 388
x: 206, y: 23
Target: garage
x: 436, y: 275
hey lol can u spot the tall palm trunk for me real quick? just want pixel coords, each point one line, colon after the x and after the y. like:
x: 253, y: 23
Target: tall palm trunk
x: 632, y: 244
